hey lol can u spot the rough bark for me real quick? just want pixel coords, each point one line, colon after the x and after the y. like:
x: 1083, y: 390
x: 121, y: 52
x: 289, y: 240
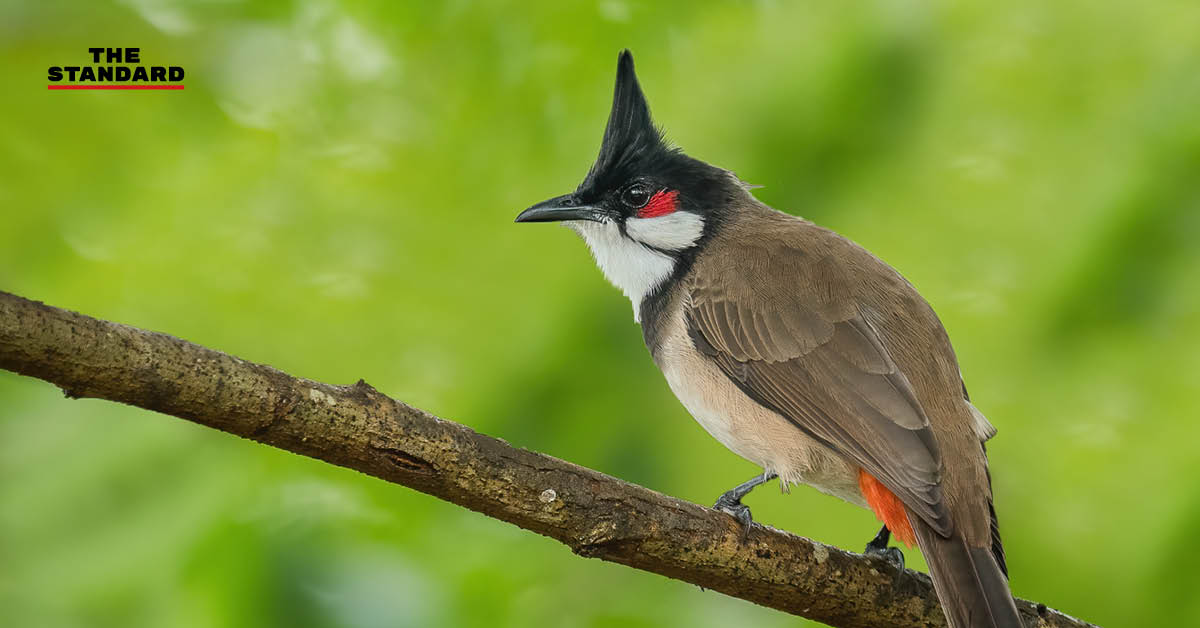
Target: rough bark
x: 359, y: 428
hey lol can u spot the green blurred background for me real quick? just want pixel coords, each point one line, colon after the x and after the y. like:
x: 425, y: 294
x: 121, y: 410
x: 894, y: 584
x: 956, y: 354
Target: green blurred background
x: 333, y: 195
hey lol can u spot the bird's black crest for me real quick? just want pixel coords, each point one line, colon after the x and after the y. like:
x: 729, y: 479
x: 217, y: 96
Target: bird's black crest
x: 630, y: 139
x: 634, y: 148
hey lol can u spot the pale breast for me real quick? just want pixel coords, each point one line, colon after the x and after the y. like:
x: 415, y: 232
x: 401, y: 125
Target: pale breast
x: 745, y: 427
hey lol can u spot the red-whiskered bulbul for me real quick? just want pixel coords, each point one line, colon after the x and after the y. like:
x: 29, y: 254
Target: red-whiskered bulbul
x: 797, y: 349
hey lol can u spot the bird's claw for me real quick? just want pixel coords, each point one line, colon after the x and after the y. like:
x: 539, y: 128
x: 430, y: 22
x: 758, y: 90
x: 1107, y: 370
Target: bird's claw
x: 892, y: 555
x: 733, y: 506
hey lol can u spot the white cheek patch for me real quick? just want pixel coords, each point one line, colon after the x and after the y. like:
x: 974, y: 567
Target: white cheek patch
x: 673, y: 232
x: 633, y: 268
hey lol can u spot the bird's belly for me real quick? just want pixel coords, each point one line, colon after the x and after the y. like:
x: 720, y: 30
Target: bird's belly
x: 750, y: 430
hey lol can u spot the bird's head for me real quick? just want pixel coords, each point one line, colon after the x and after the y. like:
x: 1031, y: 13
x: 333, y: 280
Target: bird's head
x: 644, y: 205
x: 642, y: 187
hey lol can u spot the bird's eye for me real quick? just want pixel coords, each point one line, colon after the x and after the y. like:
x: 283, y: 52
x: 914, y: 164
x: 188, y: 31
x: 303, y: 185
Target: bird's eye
x: 636, y: 196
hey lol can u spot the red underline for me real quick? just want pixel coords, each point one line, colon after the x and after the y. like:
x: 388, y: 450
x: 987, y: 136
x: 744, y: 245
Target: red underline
x: 114, y: 87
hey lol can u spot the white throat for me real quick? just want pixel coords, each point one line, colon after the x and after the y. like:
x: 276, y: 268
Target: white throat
x: 629, y: 262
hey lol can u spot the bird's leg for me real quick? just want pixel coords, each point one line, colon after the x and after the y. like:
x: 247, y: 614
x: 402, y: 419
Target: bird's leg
x: 879, y: 547
x: 731, y: 501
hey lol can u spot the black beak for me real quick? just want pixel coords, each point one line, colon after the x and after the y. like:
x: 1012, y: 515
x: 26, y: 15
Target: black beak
x: 563, y: 207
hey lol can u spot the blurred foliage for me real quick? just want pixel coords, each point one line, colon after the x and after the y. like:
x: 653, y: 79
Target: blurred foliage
x: 333, y: 194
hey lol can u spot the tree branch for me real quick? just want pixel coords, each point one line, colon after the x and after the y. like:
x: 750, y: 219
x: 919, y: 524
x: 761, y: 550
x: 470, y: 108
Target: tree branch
x: 357, y: 427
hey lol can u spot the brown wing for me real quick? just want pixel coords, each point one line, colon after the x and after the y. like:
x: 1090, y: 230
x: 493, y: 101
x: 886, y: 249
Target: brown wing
x: 804, y: 349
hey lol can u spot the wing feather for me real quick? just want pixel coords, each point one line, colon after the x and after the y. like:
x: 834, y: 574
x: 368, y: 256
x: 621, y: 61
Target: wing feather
x: 807, y: 351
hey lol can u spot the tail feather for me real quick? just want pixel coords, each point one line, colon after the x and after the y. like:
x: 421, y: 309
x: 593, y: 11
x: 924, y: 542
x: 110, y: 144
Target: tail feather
x: 997, y: 546
x: 970, y: 581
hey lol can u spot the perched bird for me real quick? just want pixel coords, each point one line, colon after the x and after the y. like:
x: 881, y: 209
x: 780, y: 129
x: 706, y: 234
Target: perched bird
x: 797, y: 349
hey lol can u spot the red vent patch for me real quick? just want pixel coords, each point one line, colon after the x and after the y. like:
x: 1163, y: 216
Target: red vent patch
x: 662, y: 203
x: 887, y: 507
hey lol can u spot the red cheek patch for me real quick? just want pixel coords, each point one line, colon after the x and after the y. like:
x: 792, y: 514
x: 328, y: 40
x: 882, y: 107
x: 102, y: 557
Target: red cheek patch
x: 662, y: 203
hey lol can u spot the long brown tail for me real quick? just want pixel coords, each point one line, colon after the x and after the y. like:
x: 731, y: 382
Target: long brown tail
x: 969, y: 581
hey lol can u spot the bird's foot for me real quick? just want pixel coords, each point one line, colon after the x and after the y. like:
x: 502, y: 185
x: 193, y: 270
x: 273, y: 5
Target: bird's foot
x: 891, y: 554
x: 731, y: 503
